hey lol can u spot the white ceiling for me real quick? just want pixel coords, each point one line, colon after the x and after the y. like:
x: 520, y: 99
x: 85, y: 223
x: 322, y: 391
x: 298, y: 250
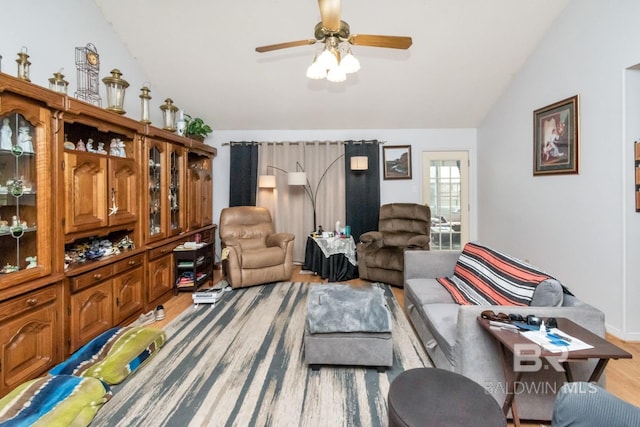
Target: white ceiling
x: 201, y: 53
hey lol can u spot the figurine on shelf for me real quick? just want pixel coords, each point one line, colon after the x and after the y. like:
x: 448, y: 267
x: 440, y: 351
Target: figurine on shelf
x: 80, y: 146
x: 113, y: 148
x: 24, y: 137
x: 5, y: 135
x: 9, y: 269
x: 126, y: 244
x: 68, y: 144
x: 100, y: 149
x: 121, y: 148
x: 27, y: 187
x: 90, y: 146
x: 31, y: 262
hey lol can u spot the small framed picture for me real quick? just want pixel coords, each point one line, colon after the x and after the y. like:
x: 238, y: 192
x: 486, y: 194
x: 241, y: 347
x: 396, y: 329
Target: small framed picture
x: 397, y: 162
x: 555, y: 138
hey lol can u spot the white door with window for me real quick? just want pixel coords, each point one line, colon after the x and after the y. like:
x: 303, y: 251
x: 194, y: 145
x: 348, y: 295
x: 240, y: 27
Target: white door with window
x: 445, y: 184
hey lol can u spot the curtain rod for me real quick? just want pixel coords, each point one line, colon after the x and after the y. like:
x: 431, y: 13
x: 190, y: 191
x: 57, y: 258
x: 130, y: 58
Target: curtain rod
x: 301, y: 142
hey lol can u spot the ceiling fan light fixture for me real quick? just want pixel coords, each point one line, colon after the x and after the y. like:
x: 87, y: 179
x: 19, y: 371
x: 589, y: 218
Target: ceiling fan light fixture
x: 336, y: 75
x: 349, y: 63
x: 316, y: 72
x: 327, y: 59
x: 335, y: 60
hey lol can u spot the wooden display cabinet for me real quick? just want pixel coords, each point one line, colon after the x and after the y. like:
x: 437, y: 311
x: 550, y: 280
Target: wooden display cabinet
x: 160, y: 274
x: 177, y: 190
x: 166, y: 191
x: 62, y: 200
x: 123, y: 176
x: 104, y: 297
x: 157, y: 190
x: 91, y: 313
x: 30, y: 332
x: 25, y: 191
x: 100, y: 181
x: 200, y: 182
x: 85, y: 177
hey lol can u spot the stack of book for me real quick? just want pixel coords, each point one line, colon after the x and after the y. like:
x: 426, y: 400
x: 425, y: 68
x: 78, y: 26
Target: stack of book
x: 186, y: 279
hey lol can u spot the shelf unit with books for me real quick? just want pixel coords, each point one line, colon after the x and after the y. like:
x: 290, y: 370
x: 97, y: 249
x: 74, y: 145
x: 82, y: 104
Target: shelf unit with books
x: 193, y: 264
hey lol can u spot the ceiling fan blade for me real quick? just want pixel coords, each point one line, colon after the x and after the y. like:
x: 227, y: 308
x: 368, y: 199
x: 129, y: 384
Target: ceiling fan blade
x: 271, y: 47
x: 393, y: 42
x: 330, y: 14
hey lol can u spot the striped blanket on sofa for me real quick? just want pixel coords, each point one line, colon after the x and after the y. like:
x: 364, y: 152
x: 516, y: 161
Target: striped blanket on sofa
x: 484, y: 276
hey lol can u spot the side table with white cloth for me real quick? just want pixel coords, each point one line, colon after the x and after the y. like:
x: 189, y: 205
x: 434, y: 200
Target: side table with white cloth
x: 333, y: 258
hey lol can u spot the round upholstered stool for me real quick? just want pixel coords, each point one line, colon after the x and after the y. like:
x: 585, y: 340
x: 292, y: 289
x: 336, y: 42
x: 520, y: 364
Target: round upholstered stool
x: 435, y: 397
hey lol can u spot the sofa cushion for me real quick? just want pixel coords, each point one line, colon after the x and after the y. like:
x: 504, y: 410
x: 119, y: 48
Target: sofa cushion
x: 426, y: 291
x: 549, y: 293
x: 113, y: 355
x: 484, y: 276
x: 442, y: 321
x: 58, y: 400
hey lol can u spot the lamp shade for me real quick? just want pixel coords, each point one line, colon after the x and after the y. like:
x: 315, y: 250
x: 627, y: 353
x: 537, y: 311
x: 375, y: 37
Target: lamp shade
x: 297, y: 178
x: 267, y: 181
x: 359, y: 163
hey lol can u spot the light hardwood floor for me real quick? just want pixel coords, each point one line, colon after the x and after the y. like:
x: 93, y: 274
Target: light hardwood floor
x: 623, y: 376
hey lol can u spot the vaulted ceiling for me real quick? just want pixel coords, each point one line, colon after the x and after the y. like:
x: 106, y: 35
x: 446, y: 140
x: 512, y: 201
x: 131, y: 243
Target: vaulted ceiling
x: 202, y: 54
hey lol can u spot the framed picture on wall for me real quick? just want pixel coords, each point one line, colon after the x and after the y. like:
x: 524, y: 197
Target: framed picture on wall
x: 397, y: 161
x: 555, y: 138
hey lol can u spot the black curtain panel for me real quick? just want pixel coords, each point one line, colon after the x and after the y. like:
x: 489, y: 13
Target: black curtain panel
x: 243, y: 173
x: 362, y: 188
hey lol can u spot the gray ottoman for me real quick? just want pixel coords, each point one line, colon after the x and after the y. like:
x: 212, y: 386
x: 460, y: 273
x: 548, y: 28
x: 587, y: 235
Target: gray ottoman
x: 347, y: 326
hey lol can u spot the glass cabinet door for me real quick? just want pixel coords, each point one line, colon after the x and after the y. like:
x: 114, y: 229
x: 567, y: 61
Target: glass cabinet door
x: 157, y: 192
x: 23, y: 168
x: 176, y: 190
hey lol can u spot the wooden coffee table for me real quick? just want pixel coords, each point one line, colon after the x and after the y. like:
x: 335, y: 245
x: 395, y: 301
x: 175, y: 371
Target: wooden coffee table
x: 602, y: 350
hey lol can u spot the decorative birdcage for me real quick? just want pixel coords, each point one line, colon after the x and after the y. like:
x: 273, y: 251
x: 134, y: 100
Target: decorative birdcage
x: 88, y: 66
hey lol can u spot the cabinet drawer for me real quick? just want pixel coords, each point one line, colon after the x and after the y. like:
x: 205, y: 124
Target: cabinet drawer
x: 163, y: 250
x: 128, y: 263
x: 27, y: 302
x: 91, y: 278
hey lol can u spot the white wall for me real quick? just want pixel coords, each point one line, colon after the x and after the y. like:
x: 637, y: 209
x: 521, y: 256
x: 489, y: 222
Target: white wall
x: 577, y: 227
x: 51, y: 30
x: 390, y: 190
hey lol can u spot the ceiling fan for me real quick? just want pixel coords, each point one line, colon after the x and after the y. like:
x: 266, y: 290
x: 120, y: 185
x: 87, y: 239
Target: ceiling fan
x: 334, y: 33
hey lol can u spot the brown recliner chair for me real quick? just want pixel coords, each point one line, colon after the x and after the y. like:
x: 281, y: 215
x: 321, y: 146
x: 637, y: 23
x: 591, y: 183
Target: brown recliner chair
x: 401, y: 226
x: 257, y: 254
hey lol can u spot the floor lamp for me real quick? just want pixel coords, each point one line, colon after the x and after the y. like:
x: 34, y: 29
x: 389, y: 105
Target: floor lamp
x: 299, y: 178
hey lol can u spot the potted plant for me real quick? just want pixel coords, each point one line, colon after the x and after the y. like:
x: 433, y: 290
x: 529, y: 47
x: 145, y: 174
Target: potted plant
x: 196, y: 128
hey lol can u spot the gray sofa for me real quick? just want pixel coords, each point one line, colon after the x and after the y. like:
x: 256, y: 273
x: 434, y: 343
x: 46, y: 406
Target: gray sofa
x: 455, y: 341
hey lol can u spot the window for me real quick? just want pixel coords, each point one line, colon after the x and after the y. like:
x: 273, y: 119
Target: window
x: 445, y: 183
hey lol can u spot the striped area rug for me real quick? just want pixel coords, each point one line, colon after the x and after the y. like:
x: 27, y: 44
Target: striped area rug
x: 241, y: 363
